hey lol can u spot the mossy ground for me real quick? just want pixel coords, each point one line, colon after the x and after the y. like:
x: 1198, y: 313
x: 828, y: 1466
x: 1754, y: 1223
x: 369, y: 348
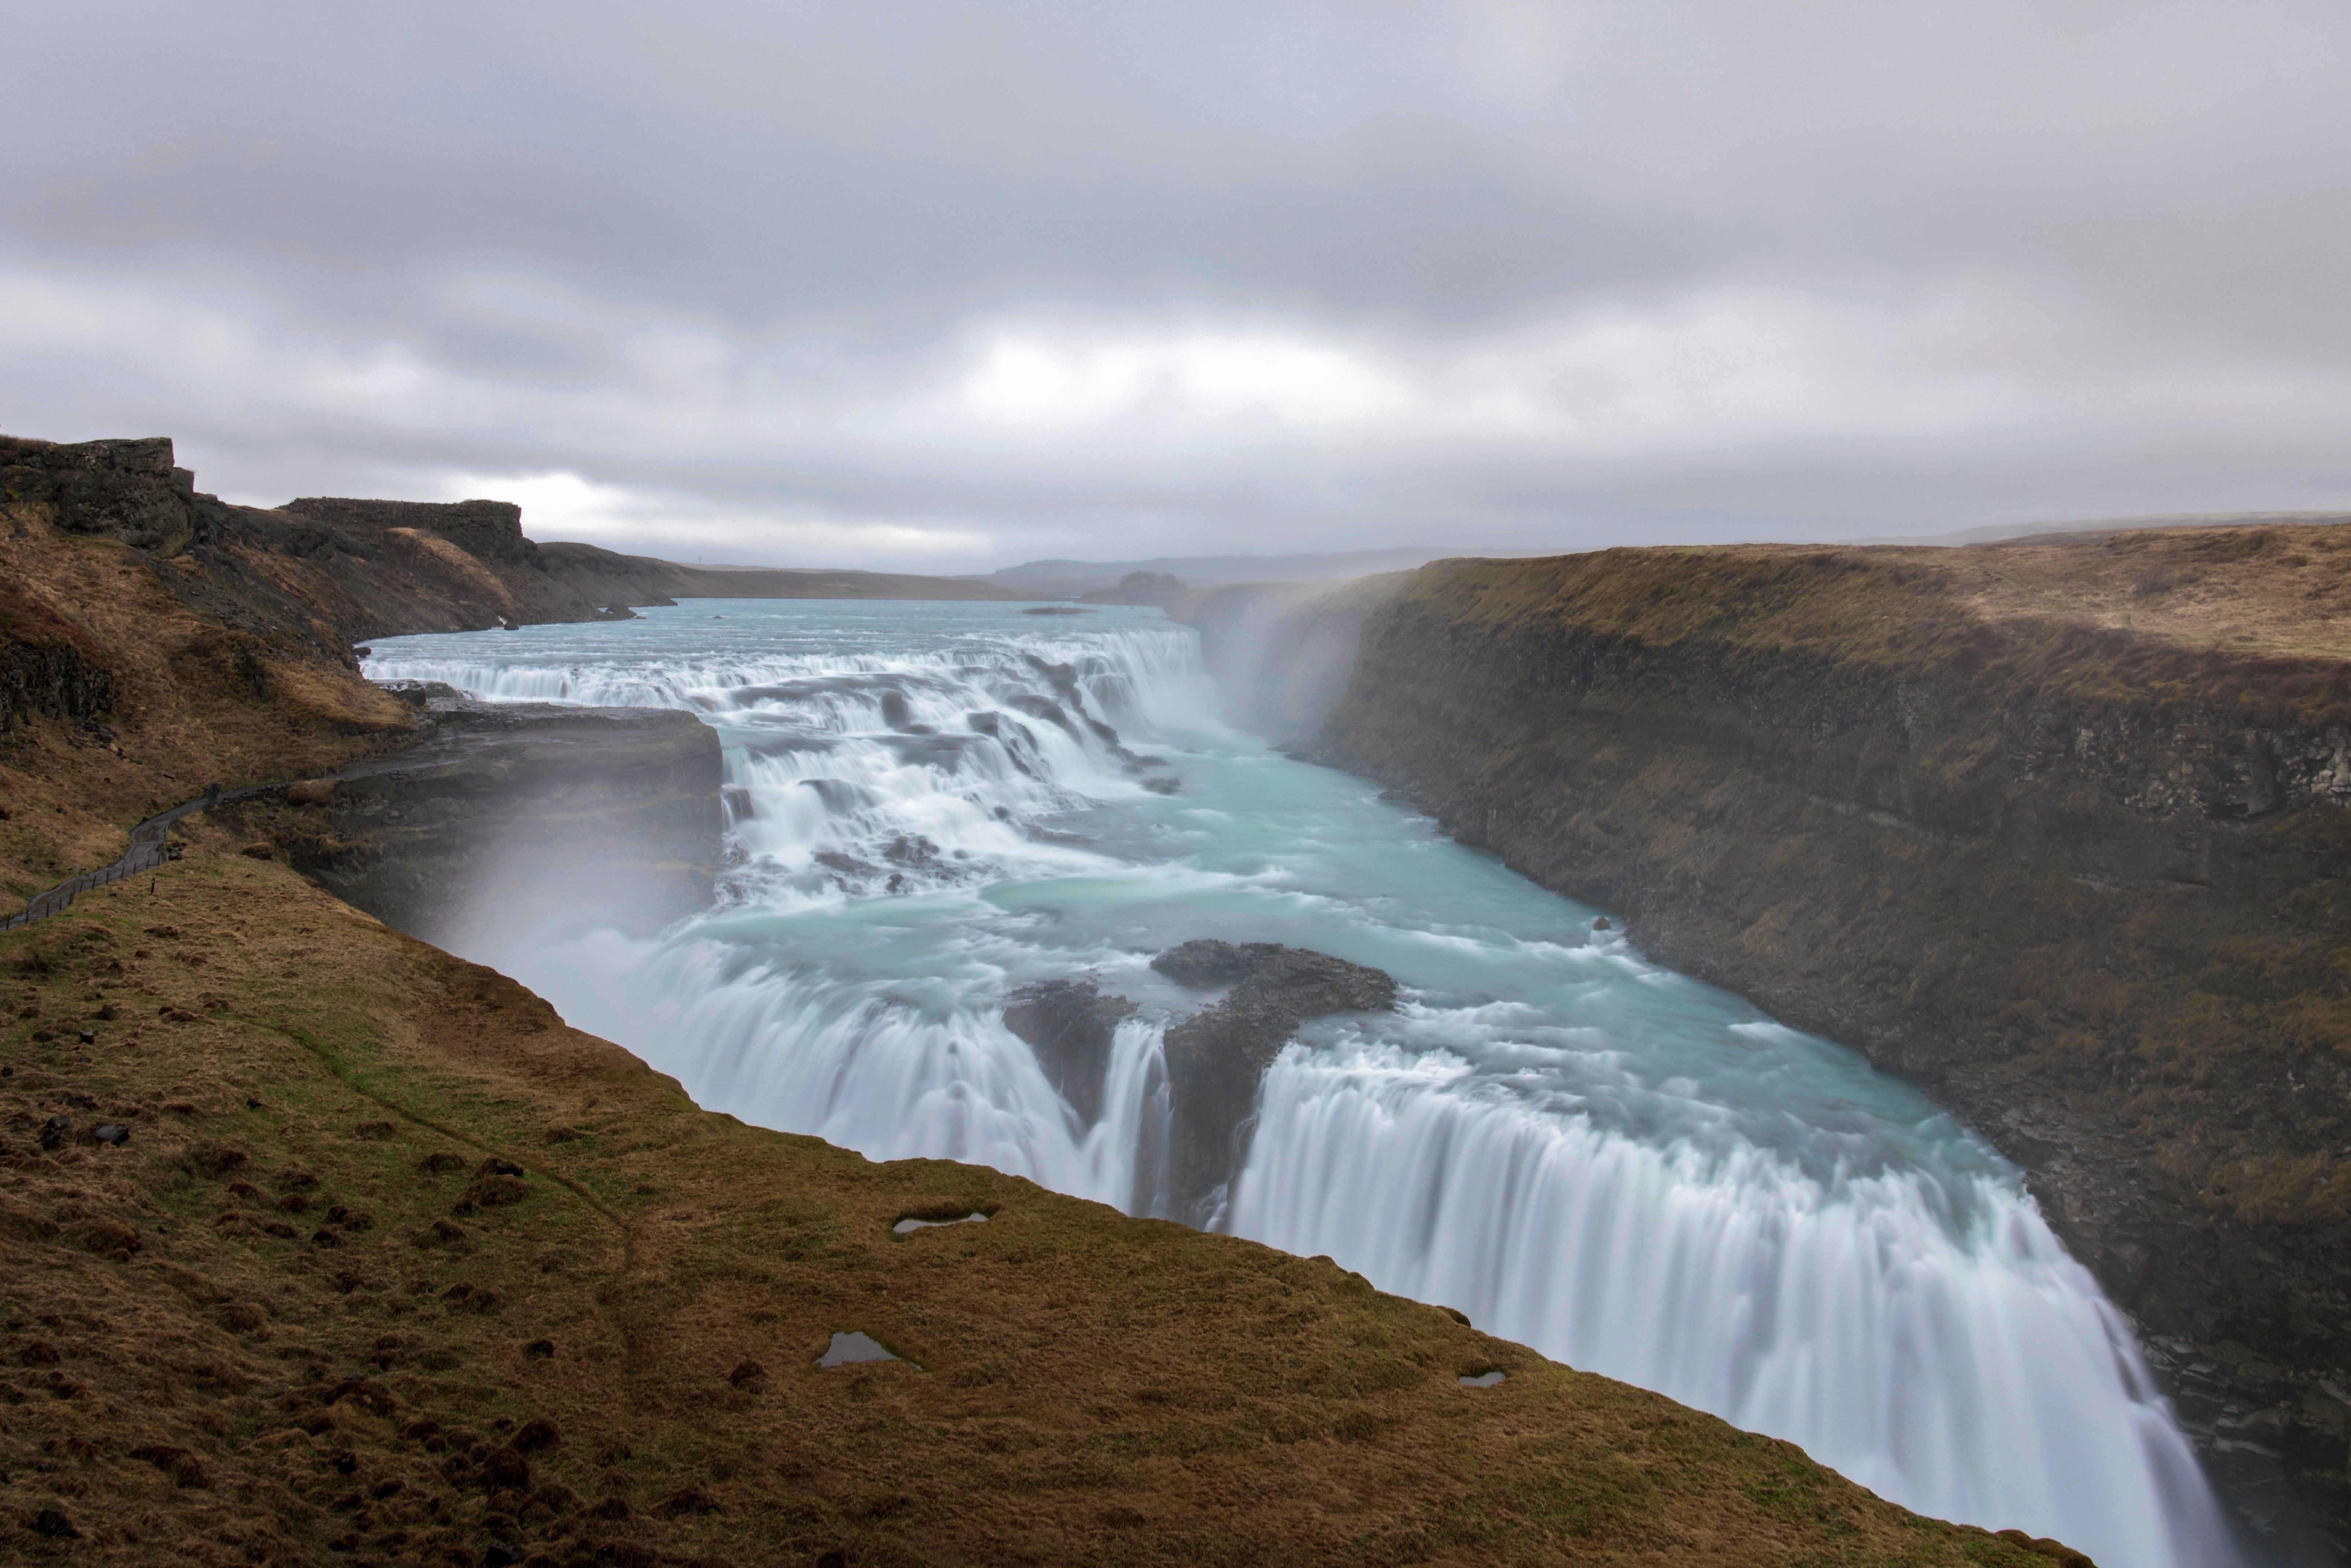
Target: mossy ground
x: 360, y: 1343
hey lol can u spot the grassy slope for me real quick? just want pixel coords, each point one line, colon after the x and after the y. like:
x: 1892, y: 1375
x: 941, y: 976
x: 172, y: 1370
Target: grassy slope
x: 2132, y: 615
x: 241, y: 695
x: 203, y: 1361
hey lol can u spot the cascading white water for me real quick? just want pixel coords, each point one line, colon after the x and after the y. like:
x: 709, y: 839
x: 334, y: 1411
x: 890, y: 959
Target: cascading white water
x: 1955, y: 1359
x: 931, y: 805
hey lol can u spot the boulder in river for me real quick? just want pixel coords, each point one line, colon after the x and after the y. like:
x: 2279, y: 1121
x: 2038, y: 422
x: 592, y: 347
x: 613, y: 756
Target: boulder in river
x: 1070, y: 1025
x: 1217, y: 1056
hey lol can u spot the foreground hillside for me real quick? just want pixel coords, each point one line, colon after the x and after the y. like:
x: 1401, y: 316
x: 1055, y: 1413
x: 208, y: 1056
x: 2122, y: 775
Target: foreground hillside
x: 2058, y: 828
x: 395, y: 1267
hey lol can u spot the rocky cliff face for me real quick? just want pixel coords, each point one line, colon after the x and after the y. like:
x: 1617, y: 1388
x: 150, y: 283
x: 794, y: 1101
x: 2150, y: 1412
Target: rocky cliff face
x: 366, y: 569
x: 127, y: 491
x: 1284, y: 650
x: 50, y: 667
x: 506, y: 826
x: 2059, y: 830
x: 154, y: 640
x: 147, y: 649
x: 1216, y: 1054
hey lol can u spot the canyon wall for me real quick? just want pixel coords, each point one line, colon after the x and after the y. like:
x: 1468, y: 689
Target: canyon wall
x: 505, y: 826
x: 154, y: 639
x: 2058, y: 830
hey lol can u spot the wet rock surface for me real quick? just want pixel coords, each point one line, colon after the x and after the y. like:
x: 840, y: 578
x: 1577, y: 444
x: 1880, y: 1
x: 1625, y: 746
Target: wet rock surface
x: 1269, y: 978
x: 1070, y: 1025
x: 1219, y: 1054
x: 516, y: 818
x: 1216, y: 1055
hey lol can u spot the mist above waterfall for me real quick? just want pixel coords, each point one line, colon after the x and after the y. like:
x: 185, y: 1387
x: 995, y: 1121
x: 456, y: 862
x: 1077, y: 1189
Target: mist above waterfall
x: 932, y: 805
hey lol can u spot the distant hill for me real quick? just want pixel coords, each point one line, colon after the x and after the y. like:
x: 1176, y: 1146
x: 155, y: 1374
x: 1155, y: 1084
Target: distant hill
x: 604, y: 577
x: 2005, y: 531
x: 1072, y: 579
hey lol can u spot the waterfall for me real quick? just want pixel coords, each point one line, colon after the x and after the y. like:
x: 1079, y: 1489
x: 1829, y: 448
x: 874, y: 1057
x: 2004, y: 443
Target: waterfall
x: 886, y: 771
x: 931, y: 805
x: 1960, y: 1363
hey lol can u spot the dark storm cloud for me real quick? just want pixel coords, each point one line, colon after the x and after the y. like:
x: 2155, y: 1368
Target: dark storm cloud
x: 952, y: 285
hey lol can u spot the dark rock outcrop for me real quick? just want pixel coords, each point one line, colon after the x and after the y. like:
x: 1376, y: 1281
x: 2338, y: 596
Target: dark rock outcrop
x: 1217, y: 1056
x: 512, y: 823
x: 127, y: 491
x: 48, y: 665
x: 356, y: 569
x: 487, y: 530
x: 1069, y: 1024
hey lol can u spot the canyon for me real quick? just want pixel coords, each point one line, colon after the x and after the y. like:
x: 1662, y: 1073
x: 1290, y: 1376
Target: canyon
x: 326, y: 1245
x: 2055, y: 829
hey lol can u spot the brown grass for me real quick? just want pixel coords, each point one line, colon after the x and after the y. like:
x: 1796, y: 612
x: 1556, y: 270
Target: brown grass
x: 209, y: 1358
x: 2129, y: 614
x: 230, y: 696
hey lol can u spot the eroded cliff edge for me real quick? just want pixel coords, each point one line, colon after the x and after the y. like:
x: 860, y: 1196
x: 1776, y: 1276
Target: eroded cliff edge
x: 2058, y: 829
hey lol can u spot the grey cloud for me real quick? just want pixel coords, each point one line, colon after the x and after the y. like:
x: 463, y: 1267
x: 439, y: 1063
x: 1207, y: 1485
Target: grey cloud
x: 1580, y: 274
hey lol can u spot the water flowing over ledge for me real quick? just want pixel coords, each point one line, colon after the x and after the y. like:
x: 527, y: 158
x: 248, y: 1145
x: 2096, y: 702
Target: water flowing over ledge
x: 931, y: 805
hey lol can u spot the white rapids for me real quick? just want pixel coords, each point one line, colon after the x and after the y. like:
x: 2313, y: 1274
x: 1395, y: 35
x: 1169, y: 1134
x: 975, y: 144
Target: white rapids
x: 931, y: 804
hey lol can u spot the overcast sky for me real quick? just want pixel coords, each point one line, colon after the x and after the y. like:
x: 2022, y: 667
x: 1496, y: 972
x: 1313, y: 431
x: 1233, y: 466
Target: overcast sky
x: 948, y: 286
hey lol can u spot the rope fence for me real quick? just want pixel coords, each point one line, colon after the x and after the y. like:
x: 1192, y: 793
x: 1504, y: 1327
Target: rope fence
x: 146, y: 852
